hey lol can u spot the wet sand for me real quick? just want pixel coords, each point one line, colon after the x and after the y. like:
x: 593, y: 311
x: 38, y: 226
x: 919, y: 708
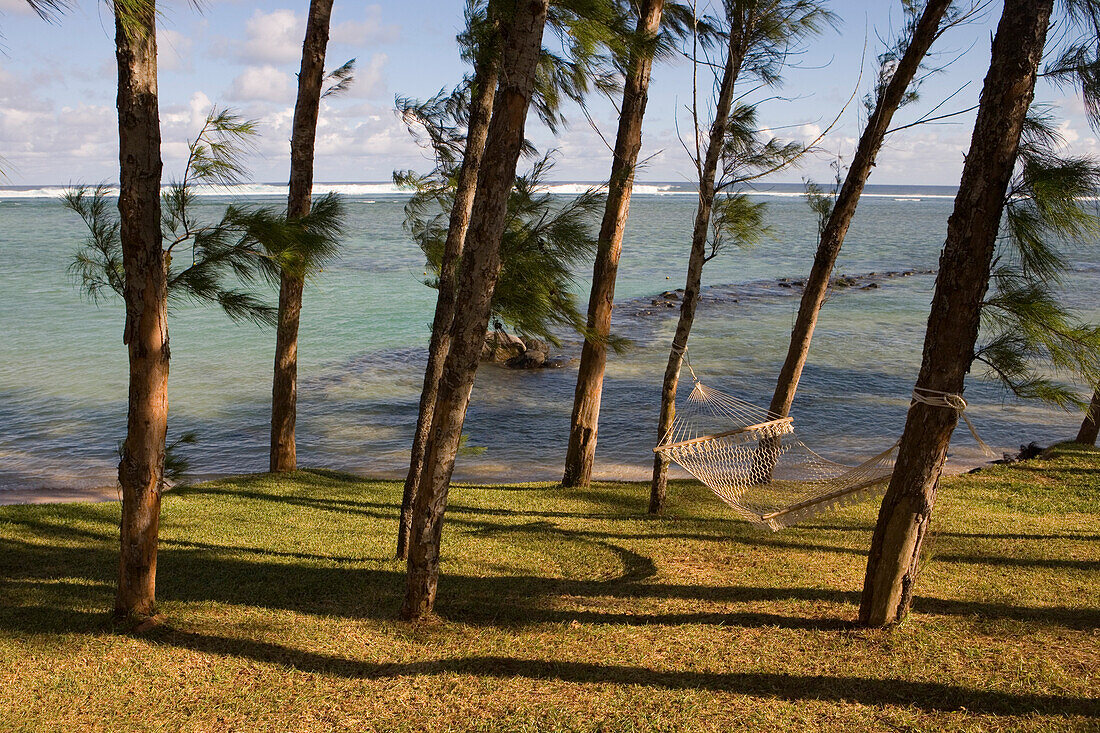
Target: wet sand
x: 60, y: 495
x: 57, y: 495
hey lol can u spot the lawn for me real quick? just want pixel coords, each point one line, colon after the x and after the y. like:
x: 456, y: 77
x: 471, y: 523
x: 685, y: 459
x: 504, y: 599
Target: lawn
x: 558, y: 610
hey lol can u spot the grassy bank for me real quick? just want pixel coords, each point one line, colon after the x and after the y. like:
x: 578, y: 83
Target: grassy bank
x: 559, y: 610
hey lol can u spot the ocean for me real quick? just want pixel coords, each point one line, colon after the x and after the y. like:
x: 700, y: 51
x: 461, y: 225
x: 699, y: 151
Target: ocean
x: 365, y: 327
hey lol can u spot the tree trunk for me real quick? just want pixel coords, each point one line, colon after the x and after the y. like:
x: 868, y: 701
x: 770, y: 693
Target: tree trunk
x: 484, y: 91
x: 141, y: 470
x: 521, y: 47
x: 953, y: 323
x: 734, y: 58
x: 1087, y: 433
x: 832, y: 237
x: 284, y: 388
x: 586, y: 400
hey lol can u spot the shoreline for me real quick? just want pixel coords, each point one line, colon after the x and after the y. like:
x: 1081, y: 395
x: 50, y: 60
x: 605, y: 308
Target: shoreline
x: 99, y: 494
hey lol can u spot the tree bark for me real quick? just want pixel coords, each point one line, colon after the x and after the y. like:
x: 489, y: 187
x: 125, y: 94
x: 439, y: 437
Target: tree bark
x: 953, y: 322
x: 141, y: 470
x: 586, y: 400
x: 521, y: 37
x: 844, y: 209
x: 734, y: 58
x: 484, y: 91
x: 284, y: 387
x: 1091, y: 423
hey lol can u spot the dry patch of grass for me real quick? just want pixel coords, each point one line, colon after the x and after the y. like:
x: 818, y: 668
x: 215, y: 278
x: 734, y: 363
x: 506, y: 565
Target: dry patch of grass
x: 558, y: 610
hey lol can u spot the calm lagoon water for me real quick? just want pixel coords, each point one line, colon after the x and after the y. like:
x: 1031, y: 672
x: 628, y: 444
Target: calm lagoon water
x: 365, y: 329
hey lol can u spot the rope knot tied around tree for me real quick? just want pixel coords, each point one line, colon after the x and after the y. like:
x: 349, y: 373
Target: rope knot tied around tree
x: 952, y: 401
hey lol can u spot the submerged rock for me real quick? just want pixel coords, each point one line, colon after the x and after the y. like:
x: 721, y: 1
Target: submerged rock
x: 519, y: 353
x: 499, y: 347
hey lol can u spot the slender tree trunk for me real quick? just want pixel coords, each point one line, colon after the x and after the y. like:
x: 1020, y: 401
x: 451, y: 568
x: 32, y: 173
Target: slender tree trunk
x: 141, y: 470
x: 284, y: 388
x: 1091, y: 423
x: 953, y: 323
x: 586, y: 401
x: 734, y: 58
x: 832, y: 237
x: 522, y: 30
x: 484, y: 91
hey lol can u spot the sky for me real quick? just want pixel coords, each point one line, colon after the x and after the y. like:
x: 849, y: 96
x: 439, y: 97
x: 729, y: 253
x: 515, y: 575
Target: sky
x: 57, y: 93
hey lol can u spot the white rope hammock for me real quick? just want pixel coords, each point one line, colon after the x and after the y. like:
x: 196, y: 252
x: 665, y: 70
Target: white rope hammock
x: 752, y: 460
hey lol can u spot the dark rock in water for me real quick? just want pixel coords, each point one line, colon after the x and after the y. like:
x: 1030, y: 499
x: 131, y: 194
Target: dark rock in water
x: 499, y: 347
x: 671, y: 294
x: 783, y: 284
x: 870, y: 286
x: 663, y: 303
x: 799, y: 283
x: 559, y: 361
x: 844, y: 282
x: 530, y: 353
x: 537, y: 348
x: 525, y: 361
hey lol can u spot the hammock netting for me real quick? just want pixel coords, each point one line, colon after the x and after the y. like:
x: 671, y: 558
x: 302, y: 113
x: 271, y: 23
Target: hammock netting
x: 753, y: 461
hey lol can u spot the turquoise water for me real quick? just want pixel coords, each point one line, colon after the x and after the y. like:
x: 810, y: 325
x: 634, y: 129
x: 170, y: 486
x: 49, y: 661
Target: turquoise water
x: 365, y: 327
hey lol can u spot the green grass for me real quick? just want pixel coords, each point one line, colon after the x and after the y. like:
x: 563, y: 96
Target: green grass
x: 558, y: 610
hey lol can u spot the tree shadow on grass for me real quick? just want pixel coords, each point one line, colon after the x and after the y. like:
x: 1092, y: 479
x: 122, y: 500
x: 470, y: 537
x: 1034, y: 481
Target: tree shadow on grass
x: 222, y: 575
x: 1022, y: 562
x: 928, y: 696
x: 315, y: 582
x: 388, y: 510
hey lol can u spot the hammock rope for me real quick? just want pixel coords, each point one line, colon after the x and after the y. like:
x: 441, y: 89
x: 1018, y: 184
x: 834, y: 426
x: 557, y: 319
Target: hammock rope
x: 753, y: 461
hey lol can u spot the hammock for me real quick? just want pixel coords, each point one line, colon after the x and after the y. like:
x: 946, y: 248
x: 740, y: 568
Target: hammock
x: 752, y: 460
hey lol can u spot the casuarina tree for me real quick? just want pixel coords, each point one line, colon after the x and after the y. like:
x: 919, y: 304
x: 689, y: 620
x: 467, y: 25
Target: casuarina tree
x: 522, y: 23
x: 311, y: 79
x: 145, y: 290
x: 961, y: 285
x: 482, y: 46
x: 215, y: 262
x: 757, y: 40
x: 628, y: 143
x: 588, y: 33
x: 894, y: 87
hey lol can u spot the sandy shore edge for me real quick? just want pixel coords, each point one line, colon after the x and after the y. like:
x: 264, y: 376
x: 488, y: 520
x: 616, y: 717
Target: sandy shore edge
x: 64, y: 495
x: 57, y: 495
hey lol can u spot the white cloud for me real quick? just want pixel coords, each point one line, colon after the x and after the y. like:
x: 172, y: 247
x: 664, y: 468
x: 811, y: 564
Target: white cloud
x: 369, y: 31
x: 806, y: 134
x: 173, y: 50
x: 370, y: 82
x: 261, y: 84
x: 187, y: 118
x: 273, y: 38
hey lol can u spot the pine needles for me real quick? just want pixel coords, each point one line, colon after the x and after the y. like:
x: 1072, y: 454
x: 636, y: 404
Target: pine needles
x: 219, y: 262
x: 1032, y: 340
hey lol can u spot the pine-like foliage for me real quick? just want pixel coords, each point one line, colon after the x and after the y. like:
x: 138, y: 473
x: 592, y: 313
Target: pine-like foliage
x: 1077, y: 62
x: 209, y: 262
x: 1031, y: 339
x: 543, y: 240
x: 586, y: 44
